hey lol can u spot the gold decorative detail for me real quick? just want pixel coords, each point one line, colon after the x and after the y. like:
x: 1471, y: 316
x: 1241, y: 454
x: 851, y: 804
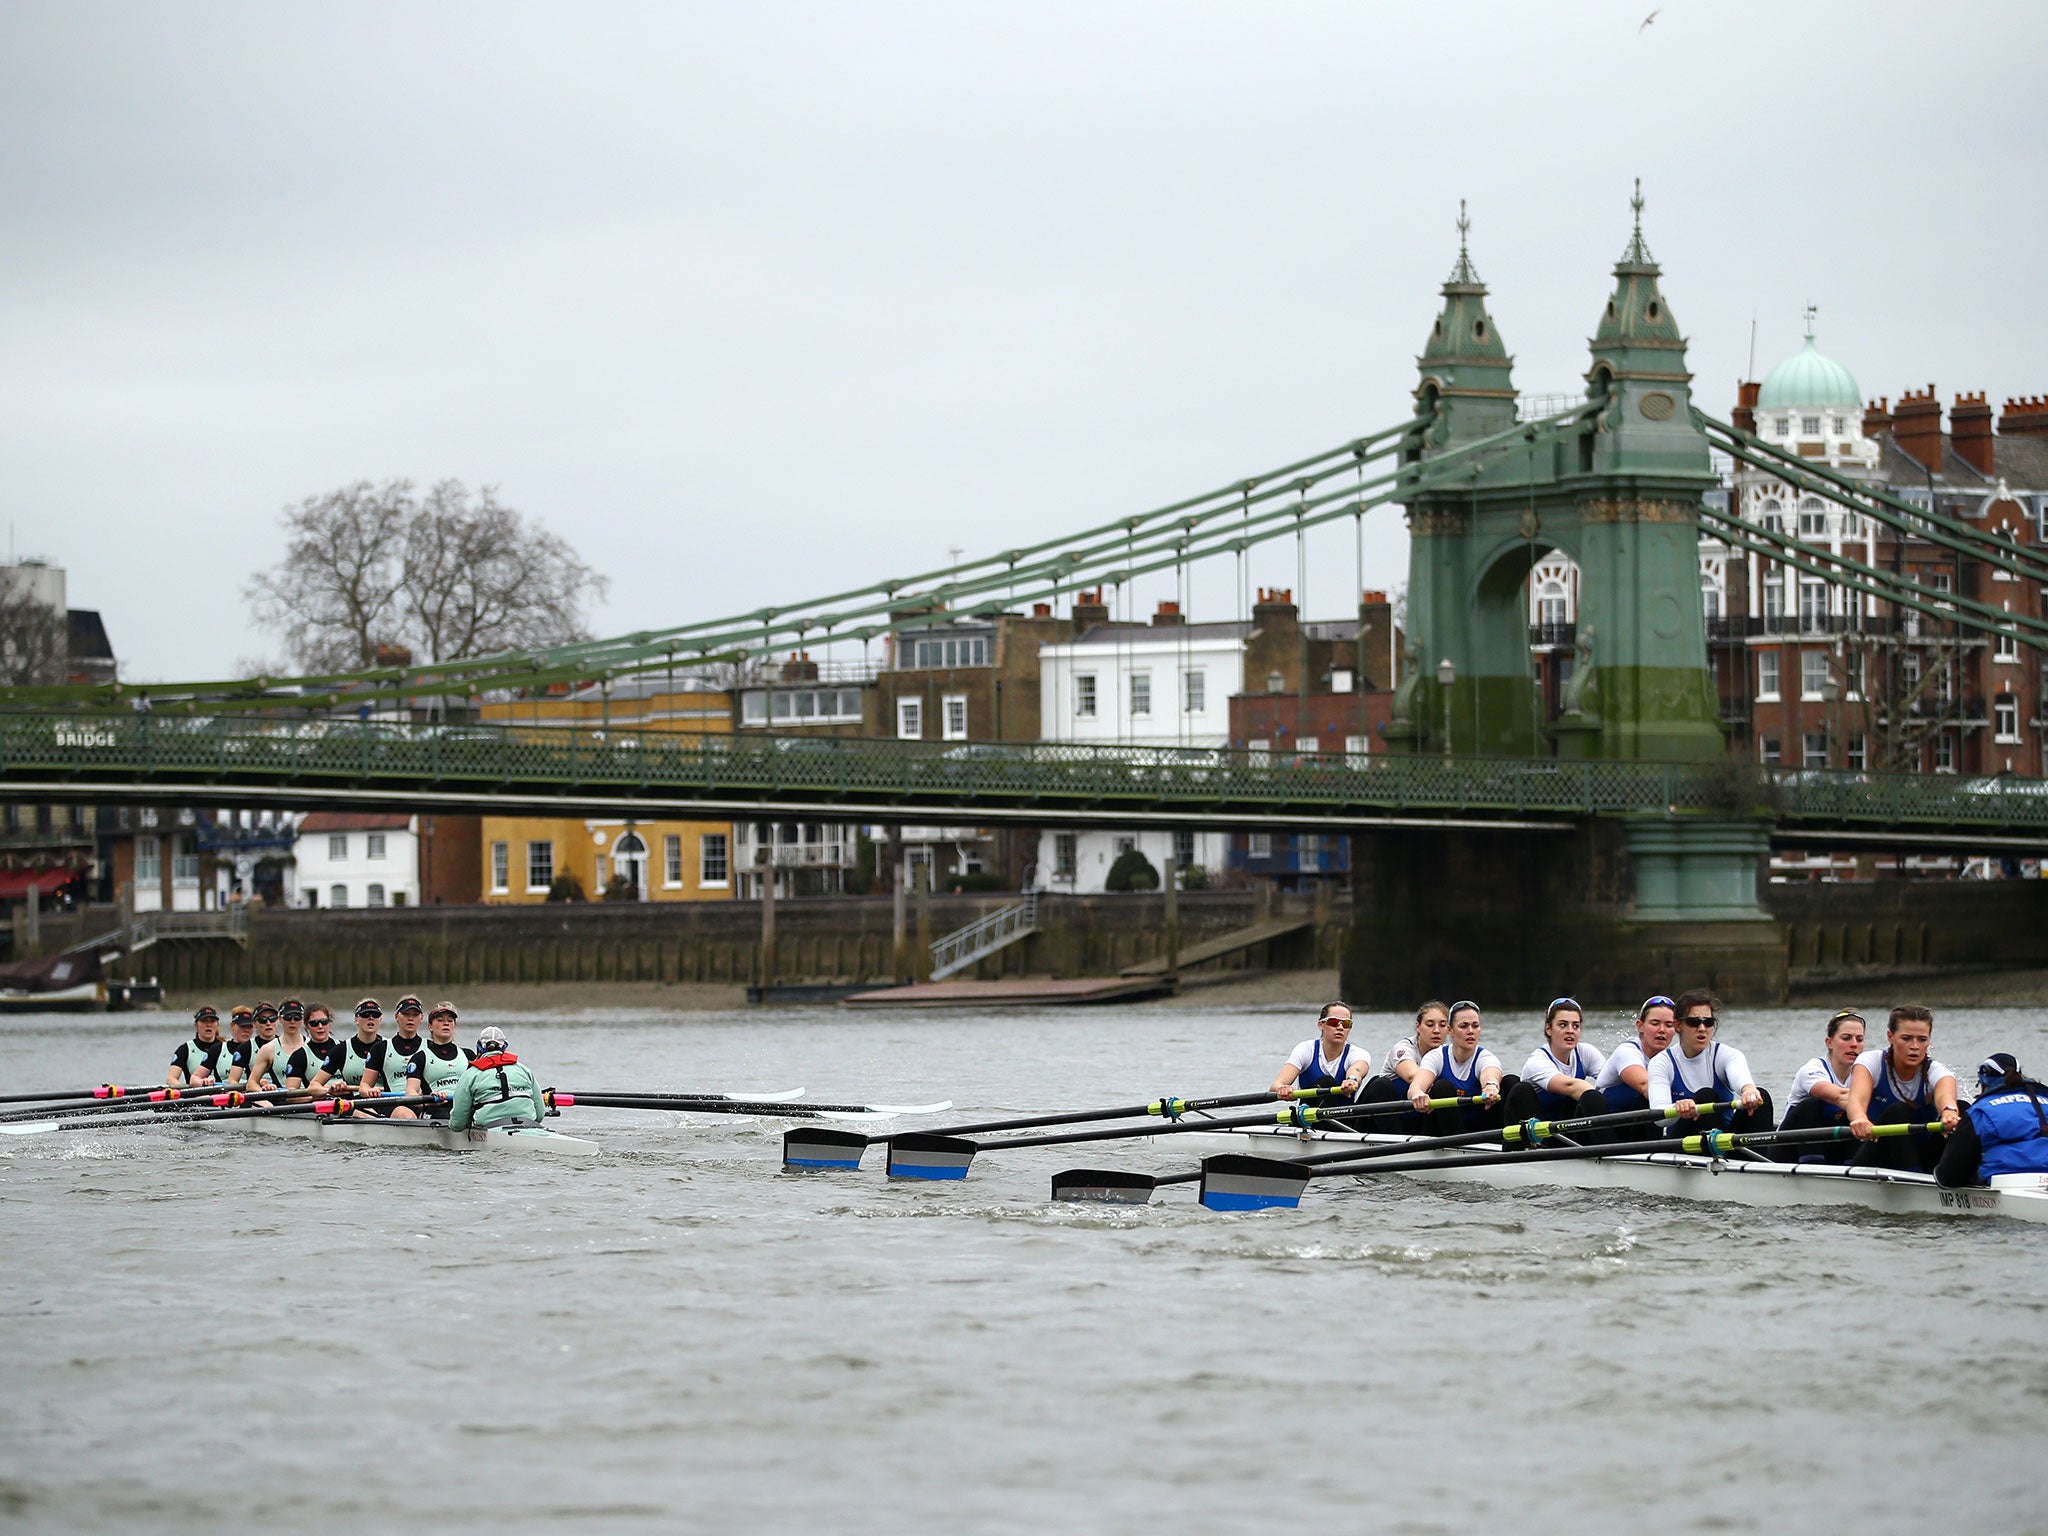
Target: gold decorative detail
x: 1439, y: 521
x: 1629, y: 509
x: 1658, y: 406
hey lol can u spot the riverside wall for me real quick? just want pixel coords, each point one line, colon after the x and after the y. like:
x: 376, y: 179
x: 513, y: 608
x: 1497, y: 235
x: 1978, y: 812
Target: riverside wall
x: 832, y: 940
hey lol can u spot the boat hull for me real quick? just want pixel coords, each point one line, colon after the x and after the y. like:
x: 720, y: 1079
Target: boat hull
x: 367, y: 1132
x: 1675, y: 1175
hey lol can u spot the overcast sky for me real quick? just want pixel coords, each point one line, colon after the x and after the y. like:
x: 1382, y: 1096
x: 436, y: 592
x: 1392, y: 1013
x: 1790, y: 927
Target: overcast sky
x: 751, y: 300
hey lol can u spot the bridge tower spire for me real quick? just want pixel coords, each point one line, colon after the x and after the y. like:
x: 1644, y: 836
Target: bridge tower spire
x: 1466, y: 389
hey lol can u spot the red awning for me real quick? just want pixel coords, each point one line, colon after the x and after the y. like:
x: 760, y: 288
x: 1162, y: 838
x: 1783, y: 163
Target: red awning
x: 16, y: 883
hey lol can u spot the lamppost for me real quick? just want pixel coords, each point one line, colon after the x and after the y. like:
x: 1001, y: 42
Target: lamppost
x: 1446, y: 674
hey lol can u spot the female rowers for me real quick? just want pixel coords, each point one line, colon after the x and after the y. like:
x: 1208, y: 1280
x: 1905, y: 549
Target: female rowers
x: 1901, y: 1083
x: 1625, y: 1081
x: 1820, y: 1089
x: 1698, y: 1069
x: 1330, y: 1062
x: 362, y: 1056
x: 1432, y: 1028
x: 1559, y: 1078
x: 288, y: 1061
x: 1463, y: 1066
x: 437, y: 1068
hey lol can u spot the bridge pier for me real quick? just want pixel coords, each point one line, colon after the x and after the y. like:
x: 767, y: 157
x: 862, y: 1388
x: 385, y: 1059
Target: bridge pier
x: 1609, y: 911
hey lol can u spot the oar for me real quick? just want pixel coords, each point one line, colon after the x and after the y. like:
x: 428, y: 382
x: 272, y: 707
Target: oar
x: 104, y: 1091
x: 934, y: 1155
x: 1117, y: 1186
x: 774, y: 1108
x: 186, y: 1117
x: 779, y: 1096
x: 160, y: 1101
x: 814, y: 1147
x: 1237, y: 1182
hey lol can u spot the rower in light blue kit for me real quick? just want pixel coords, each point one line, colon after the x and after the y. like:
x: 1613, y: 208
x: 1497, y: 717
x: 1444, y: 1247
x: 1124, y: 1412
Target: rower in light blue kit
x: 1329, y: 1062
x: 203, y: 1060
x: 494, y: 1089
x: 438, y: 1066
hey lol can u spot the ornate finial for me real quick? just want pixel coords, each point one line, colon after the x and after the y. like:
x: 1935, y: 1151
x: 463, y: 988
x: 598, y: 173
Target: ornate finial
x: 1463, y: 272
x: 1637, y: 254
x: 1812, y: 309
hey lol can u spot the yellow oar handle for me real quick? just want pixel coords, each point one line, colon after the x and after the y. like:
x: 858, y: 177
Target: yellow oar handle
x: 1294, y: 1114
x: 1716, y: 1142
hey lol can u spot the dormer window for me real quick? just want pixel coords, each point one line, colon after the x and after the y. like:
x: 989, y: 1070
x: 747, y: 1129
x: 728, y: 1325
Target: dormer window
x: 1782, y: 426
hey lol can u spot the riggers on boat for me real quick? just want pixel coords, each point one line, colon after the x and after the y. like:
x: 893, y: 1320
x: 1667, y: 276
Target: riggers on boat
x: 364, y: 1130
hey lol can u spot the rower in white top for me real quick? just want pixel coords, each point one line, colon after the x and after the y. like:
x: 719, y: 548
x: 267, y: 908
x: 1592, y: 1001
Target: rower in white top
x: 1625, y: 1081
x: 1559, y: 1080
x: 1820, y: 1089
x: 1698, y: 1069
x: 1432, y: 1028
x: 1461, y: 1065
x: 1331, y: 1061
x: 1901, y: 1083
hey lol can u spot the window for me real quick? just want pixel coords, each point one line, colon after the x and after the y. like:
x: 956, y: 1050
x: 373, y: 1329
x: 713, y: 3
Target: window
x: 337, y: 848
x: 337, y: 896
x: 1710, y: 601
x: 1141, y: 693
x: 1340, y: 680
x: 375, y: 898
x: 1183, y: 848
x: 672, y: 860
x: 540, y: 866
x: 1813, y: 606
x: 1944, y: 683
x: 1550, y: 605
x: 1275, y: 683
x: 1852, y: 674
x: 1774, y: 596
x: 149, y: 859
x: 1261, y: 845
x: 1767, y: 674
x: 1782, y: 425
x: 1859, y: 754
x: 972, y: 651
x: 1813, y: 519
x: 1308, y: 744
x: 185, y: 859
x: 1084, y: 695
x: 1194, y: 691
x: 1767, y: 751
x: 1909, y: 669
x: 501, y: 866
x: 1357, y: 746
x: 1772, y: 516
x: 953, y: 725
x: 398, y: 898
x: 1260, y: 752
x: 1813, y: 674
x: 376, y: 848
x: 1064, y: 857
x: 803, y: 706
x: 1944, y: 753
x: 910, y: 719
x: 1810, y: 425
x: 2005, y: 715
x: 753, y: 708
x: 2008, y: 646
x: 712, y: 860
x: 1815, y: 753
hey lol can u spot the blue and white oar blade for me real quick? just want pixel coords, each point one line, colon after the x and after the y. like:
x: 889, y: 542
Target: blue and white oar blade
x: 1236, y: 1181
x: 913, y: 1156
x: 1107, y: 1186
x: 817, y: 1146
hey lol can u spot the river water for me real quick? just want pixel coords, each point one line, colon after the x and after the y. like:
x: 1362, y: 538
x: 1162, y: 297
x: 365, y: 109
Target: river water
x: 203, y: 1331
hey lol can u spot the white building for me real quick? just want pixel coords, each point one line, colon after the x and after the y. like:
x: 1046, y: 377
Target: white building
x: 359, y: 859
x: 1145, y: 685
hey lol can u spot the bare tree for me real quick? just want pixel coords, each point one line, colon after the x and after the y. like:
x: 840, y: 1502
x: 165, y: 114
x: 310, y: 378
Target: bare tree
x: 35, y: 639
x: 479, y: 578
x: 331, y: 597
x: 446, y: 576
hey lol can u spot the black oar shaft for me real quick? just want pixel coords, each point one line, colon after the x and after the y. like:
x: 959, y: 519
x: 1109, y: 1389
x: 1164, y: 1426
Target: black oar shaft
x: 1168, y: 1107
x: 1707, y: 1144
x: 1309, y: 1118
x: 1547, y: 1128
x: 791, y: 1111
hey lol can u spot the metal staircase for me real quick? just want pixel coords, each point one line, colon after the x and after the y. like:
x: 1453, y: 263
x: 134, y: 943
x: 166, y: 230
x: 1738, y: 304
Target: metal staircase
x: 148, y: 928
x: 1005, y: 926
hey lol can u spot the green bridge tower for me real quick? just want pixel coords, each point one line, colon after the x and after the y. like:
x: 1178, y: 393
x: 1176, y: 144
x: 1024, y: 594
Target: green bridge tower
x: 1625, y: 906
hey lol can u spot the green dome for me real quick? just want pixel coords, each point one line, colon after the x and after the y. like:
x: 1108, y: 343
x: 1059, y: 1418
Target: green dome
x: 1810, y: 380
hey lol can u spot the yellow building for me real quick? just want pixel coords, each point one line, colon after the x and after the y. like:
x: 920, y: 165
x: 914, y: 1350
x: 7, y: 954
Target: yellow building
x: 653, y: 860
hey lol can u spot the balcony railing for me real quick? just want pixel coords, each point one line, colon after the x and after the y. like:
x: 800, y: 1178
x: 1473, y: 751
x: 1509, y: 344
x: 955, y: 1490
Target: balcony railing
x: 1553, y: 634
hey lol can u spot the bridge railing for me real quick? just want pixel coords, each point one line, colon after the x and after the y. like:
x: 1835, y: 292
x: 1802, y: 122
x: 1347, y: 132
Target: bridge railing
x: 222, y: 752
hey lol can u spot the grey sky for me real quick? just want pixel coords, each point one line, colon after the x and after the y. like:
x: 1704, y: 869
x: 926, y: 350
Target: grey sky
x: 748, y: 301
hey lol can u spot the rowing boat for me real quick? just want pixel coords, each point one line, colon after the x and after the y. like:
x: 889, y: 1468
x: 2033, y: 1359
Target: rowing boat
x: 365, y: 1130
x: 1675, y: 1175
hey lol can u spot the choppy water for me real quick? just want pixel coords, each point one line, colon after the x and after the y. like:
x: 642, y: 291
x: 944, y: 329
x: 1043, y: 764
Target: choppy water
x: 199, y: 1331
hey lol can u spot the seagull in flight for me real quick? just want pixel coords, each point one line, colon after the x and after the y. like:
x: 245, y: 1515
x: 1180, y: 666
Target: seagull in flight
x: 1647, y: 20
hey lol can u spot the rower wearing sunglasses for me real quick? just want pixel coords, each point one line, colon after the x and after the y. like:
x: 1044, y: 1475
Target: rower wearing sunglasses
x: 1330, y: 1061
x: 362, y: 1056
x: 1698, y: 1069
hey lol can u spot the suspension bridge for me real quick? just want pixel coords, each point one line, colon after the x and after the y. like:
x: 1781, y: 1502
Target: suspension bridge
x: 1618, y: 481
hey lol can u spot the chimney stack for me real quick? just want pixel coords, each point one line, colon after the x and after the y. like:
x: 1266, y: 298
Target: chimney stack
x: 1916, y: 428
x: 1969, y: 425
x: 1744, y: 415
x: 1168, y: 614
x: 1089, y: 608
x: 1877, y: 417
x: 1041, y: 610
x: 1275, y: 598
x: 2027, y: 415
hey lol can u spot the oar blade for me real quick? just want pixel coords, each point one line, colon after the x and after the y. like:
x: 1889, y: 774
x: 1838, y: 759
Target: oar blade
x: 1237, y: 1181
x: 1104, y: 1186
x: 817, y: 1146
x: 926, y: 1156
